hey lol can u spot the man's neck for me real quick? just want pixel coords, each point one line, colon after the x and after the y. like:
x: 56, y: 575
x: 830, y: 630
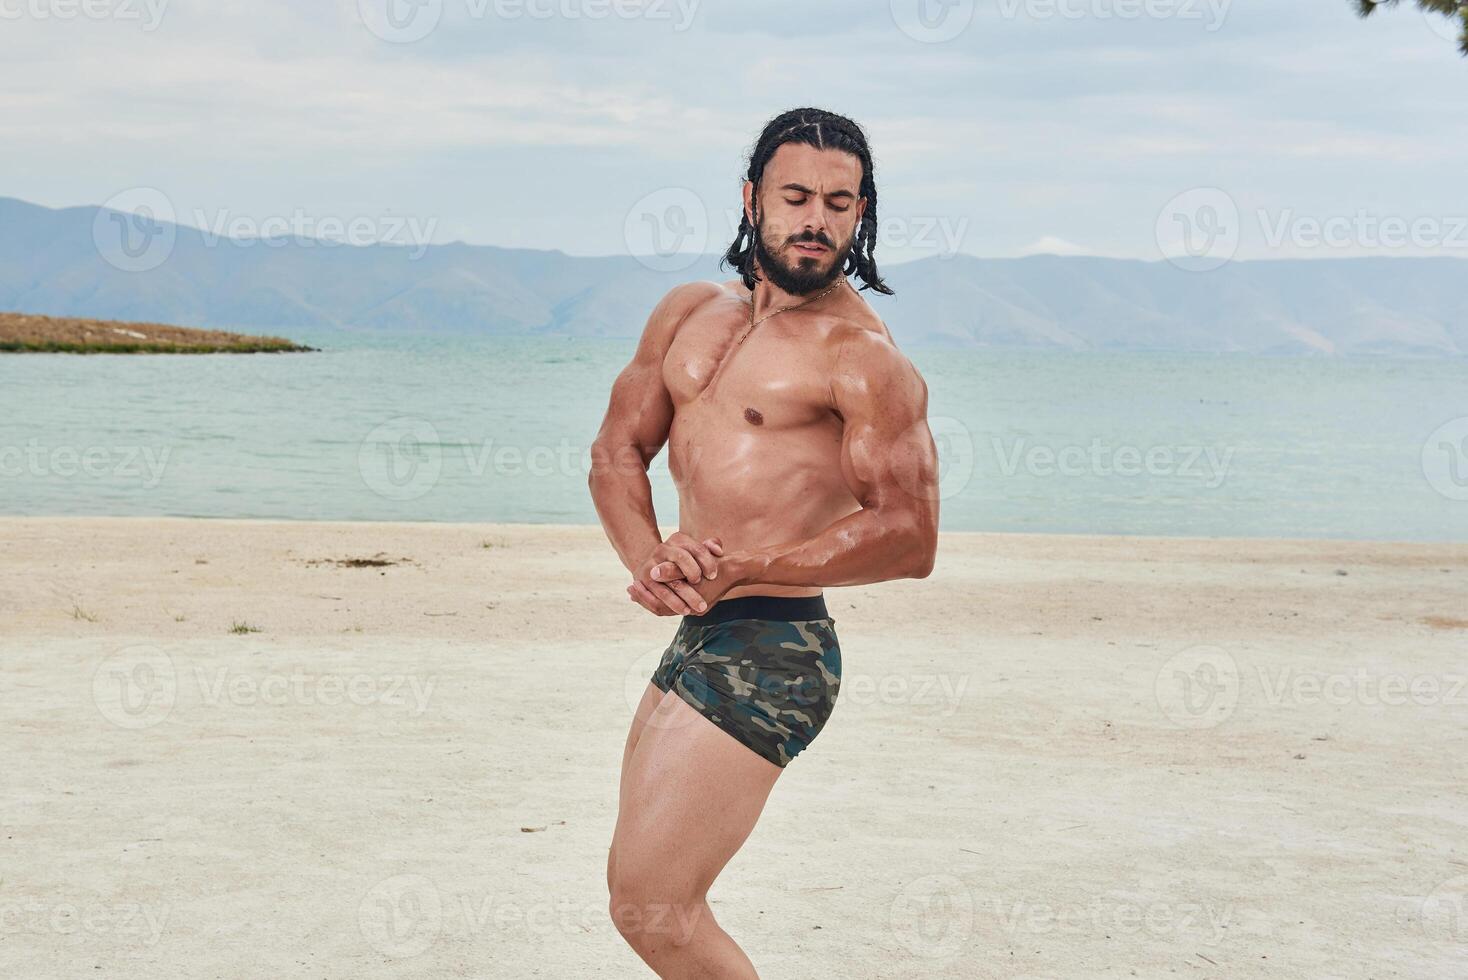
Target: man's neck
x: 768, y: 297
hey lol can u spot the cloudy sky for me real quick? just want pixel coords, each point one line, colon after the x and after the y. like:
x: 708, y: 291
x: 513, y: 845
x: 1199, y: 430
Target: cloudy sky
x: 1001, y: 127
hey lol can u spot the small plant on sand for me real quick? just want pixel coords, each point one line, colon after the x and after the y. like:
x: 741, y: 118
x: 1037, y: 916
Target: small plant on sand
x: 240, y: 627
x: 77, y: 612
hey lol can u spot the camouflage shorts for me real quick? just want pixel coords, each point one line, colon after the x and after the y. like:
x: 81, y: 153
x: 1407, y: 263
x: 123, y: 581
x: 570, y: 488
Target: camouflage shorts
x: 765, y: 669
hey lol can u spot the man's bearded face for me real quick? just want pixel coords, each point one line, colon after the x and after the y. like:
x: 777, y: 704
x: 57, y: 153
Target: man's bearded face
x: 807, y: 216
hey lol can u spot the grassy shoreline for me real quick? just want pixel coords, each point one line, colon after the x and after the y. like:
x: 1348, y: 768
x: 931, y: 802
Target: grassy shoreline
x: 22, y: 333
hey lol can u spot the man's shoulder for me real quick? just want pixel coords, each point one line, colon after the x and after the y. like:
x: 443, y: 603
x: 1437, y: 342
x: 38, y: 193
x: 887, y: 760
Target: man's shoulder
x: 675, y: 307
x: 685, y: 297
x: 866, y: 359
x: 861, y: 338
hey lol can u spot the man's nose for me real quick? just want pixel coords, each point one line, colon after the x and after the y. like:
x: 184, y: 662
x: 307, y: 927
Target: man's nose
x: 811, y: 218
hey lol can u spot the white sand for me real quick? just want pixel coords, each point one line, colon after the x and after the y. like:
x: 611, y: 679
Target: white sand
x: 1012, y: 784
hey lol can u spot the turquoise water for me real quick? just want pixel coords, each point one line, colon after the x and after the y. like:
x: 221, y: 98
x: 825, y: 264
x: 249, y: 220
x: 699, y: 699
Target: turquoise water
x: 424, y: 428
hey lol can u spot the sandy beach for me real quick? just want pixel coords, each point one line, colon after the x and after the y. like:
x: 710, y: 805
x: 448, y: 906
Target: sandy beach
x: 266, y: 749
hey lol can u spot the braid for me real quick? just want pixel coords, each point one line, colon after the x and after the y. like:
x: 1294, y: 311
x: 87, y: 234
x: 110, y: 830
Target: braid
x: 822, y: 130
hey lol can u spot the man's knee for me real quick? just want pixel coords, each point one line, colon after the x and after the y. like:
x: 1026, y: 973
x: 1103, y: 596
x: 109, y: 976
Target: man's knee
x: 648, y: 912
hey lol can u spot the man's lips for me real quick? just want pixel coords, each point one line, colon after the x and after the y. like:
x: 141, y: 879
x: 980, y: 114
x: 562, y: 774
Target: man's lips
x: 810, y: 248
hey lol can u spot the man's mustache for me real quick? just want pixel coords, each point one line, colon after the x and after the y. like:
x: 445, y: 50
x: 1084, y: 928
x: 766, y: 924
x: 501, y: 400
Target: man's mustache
x: 812, y: 236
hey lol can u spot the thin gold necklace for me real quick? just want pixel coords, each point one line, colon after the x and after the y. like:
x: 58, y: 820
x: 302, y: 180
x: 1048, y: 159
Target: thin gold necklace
x: 793, y: 306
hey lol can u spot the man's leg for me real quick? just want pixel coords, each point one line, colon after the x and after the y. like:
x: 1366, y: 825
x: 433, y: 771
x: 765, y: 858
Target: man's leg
x: 690, y: 797
x: 645, y: 708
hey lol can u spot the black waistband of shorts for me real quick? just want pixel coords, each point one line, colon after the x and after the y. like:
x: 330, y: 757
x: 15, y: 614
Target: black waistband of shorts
x: 783, y: 607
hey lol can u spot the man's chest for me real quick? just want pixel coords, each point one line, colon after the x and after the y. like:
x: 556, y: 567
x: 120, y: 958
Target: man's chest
x: 777, y: 376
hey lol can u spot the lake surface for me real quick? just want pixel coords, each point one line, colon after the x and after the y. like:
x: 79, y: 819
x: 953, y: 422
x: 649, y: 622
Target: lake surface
x: 411, y: 427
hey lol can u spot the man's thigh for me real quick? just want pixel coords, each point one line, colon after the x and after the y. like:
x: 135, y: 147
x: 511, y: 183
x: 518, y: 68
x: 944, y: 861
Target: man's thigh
x: 645, y: 709
x: 690, y: 797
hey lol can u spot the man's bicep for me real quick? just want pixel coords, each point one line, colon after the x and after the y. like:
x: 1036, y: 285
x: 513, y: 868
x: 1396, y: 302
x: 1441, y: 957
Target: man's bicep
x: 888, y: 454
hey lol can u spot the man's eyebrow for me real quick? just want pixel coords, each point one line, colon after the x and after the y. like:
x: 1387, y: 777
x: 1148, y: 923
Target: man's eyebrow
x: 806, y: 190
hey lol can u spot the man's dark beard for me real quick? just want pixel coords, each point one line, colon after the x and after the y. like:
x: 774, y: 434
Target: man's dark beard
x: 799, y: 281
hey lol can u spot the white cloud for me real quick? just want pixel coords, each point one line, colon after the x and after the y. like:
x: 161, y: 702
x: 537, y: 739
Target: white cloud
x: 1052, y: 245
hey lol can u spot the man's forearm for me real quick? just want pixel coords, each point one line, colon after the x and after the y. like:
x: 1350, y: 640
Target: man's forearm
x: 862, y: 548
x: 623, y: 499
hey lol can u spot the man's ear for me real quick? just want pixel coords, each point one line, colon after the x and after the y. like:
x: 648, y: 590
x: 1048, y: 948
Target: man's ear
x: 749, y: 203
x: 861, y: 209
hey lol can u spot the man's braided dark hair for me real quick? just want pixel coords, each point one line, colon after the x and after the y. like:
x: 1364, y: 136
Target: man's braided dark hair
x: 822, y: 130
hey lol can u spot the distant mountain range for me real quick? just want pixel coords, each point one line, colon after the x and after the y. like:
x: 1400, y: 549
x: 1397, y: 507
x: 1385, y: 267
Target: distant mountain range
x: 68, y: 262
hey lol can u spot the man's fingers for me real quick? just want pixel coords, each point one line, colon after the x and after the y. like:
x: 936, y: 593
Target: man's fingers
x: 665, y: 572
x: 690, y: 596
x: 639, y: 595
x: 688, y: 565
x: 689, y: 560
x: 670, y: 598
x: 643, y: 597
x: 708, y: 565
